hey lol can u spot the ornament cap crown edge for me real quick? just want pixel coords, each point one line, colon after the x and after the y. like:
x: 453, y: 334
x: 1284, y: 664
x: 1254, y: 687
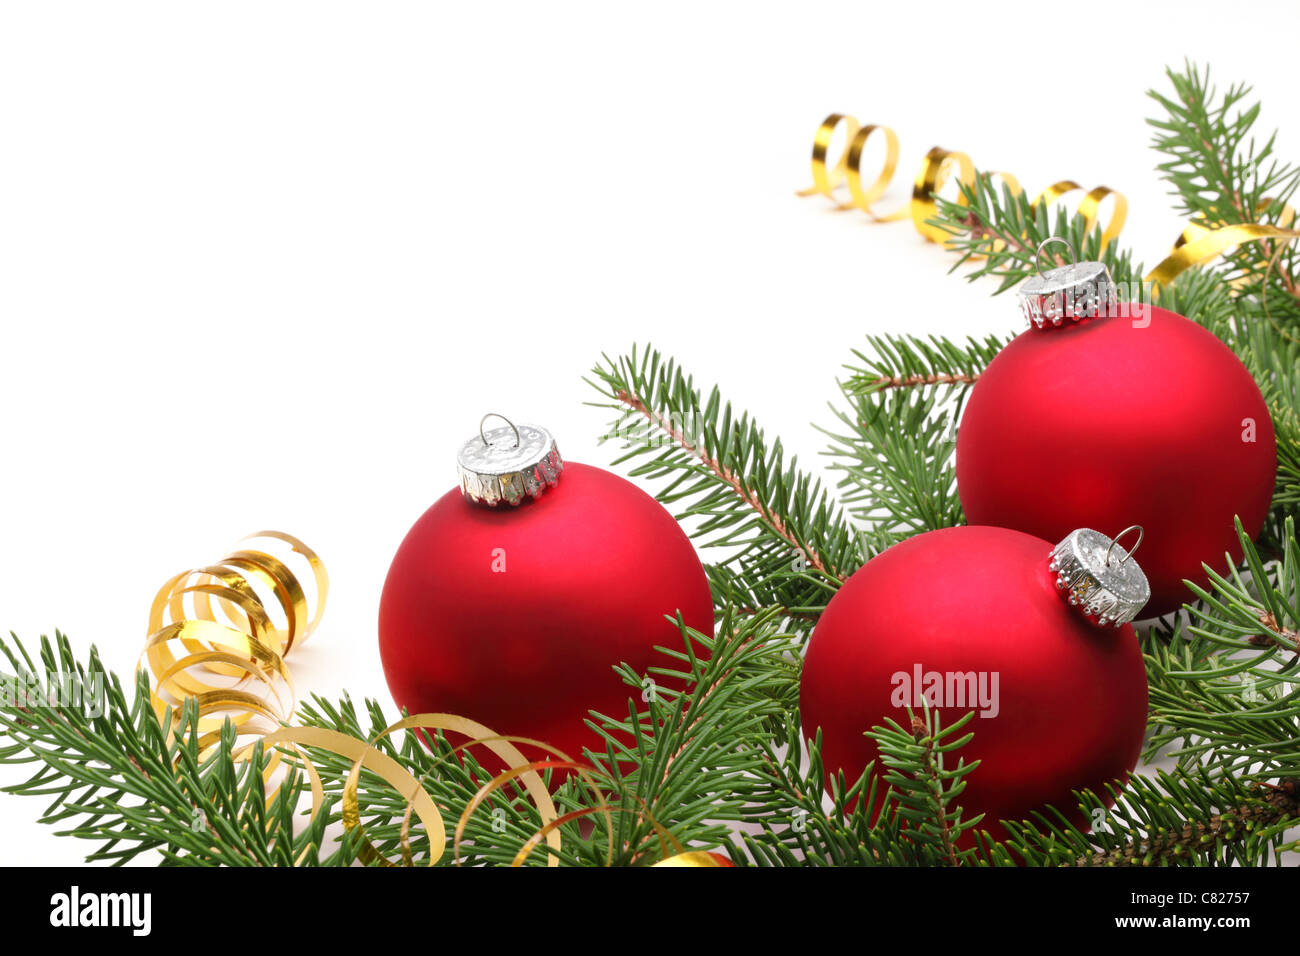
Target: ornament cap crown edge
x: 1105, y: 587
x: 509, y: 465
x: 1073, y: 292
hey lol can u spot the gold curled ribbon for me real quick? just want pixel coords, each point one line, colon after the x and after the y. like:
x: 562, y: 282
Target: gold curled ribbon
x: 863, y: 198
x: 696, y: 858
x: 364, y: 755
x: 1210, y: 243
x: 219, y: 635
x: 1090, y: 206
x: 1199, y: 242
x: 827, y: 180
x: 934, y: 171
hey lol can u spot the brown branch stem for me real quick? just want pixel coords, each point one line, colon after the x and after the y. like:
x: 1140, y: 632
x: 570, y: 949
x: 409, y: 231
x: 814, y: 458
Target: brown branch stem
x: 724, y: 474
x: 909, y: 381
x: 923, y: 736
x: 1270, y: 805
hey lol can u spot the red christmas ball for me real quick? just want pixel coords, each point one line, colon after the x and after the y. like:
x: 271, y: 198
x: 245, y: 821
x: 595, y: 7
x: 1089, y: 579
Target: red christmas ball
x: 516, y: 616
x: 1143, y: 419
x: 971, y: 618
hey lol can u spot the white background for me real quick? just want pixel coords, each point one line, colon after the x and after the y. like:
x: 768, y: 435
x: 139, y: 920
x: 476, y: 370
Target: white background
x: 266, y: 264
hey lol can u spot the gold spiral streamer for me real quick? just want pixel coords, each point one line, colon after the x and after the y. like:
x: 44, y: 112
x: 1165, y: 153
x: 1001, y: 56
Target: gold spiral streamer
x: 1090, y: 206
x: 934, y: 171
x: 863, y: 198
x: 826, y: 181
x: 1198, y: 244
x: 666, y: 839
x: 364, y: 755
x: 696, y: 858
x: 220, y: 635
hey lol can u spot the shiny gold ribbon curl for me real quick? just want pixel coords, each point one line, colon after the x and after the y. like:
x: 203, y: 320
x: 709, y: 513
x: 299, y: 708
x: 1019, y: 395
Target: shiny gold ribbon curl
x: 215, y: 639
x: 219, y: 636
x: 695, y: 858
x: 364, y: 755
x: 1199, y: 243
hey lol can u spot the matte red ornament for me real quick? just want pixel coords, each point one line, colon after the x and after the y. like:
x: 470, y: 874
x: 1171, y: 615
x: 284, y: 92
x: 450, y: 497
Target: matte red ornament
x: 516, y: 616
x: 1143, y: 418
x: 1061, y: 702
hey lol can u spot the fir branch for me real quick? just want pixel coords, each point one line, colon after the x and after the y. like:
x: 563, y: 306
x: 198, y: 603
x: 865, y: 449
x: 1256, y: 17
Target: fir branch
x: 120, y: 776
x: 739, y: 491
x: 1264, y: 810
x: 690, y: 758
x: 774, y: 521
x: 896, y: 445
x: 451, y: 776
x: 920, y: 783
x: 881, y: 383
x: 902, y: 361
x: 998, y: 232
x: 898, y: 812
x: 1186, y: 818
x: 1218, y: 173
x: 1222, y: 686
x: 1222, y: 178
x: 797, y: 830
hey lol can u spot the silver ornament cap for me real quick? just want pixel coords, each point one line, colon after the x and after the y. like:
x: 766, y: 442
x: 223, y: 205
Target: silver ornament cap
x: 1100, y: 578
x: 508, y: 465
x: 1072, y: 293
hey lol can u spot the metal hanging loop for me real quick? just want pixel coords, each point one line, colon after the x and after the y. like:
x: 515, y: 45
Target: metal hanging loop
x: 1129, y: 553
x: 1038, y: 254
x: 483, y: 421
